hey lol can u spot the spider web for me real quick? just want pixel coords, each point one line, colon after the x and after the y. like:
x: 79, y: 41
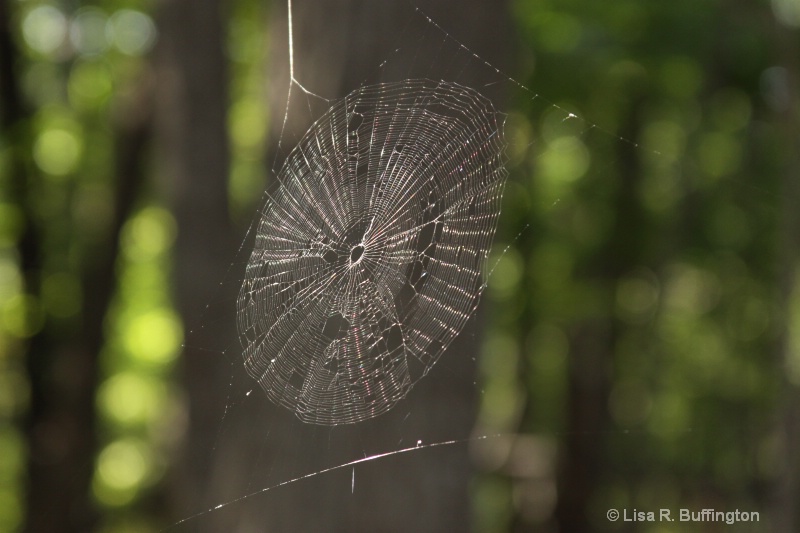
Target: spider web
x: 368, y: 259
x: 365, y: 262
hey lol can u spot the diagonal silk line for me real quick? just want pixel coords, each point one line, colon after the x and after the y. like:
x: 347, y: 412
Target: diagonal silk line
x: 375, y: 457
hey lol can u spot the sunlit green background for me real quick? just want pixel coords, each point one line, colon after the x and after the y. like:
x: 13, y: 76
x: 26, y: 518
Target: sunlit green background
x: 78, y: 63
x: 660, y: 220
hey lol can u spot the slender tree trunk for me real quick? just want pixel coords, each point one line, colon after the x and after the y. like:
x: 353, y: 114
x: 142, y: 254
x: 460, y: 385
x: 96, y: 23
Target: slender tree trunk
x: 592, y: 344
x: 193, y: 144
x: 784, y: 505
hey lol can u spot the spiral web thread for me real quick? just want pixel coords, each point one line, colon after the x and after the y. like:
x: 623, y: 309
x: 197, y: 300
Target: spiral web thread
x: 370, y: 254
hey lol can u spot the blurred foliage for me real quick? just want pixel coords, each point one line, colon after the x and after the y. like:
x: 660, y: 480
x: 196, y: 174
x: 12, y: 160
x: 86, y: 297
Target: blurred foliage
x: 77, y: 67
x: 661, y: 218
x: 136, y: 401
x: 681, y: 257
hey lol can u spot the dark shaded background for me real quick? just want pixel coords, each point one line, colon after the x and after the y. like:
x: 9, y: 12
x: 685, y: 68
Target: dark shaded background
x: 638, y: 345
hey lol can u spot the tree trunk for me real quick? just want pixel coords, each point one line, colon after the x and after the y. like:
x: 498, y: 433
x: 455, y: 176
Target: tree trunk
x: 239, y: 443
x: 592, y: 345
x: 783, y: 505
x: 337, y: 48
x: 193, y: 146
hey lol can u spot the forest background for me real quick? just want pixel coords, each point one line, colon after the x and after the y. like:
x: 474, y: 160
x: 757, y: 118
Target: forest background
x: 640, y: 343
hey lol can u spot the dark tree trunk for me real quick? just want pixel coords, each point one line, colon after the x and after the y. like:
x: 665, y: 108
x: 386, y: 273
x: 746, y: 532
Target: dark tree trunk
x: 239, y: 444
x: 337, y: 47
x: 591, y: 359
x: 783, y: 507
x: 193, y: 144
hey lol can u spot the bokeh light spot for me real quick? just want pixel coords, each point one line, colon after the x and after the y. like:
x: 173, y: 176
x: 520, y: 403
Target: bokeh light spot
x: 565, y: 160
x: 22, y: 315
x: 154, y: 337
x: 129, y: 398
x: 44, y: 29
x: 57, y: 151
x: 10, y: 279
x: 692, y: 290
x: 90, y: 84
x: 248, y: 124
x: 122, y: 468
x: 132, y: 32
x: 87, y: 32
x: 148, y: 234
x: 508, y: 267
x: 787, y: 12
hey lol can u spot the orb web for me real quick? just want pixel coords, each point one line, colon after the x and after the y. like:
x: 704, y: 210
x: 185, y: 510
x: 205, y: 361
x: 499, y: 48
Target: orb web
x: 370, y: 252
